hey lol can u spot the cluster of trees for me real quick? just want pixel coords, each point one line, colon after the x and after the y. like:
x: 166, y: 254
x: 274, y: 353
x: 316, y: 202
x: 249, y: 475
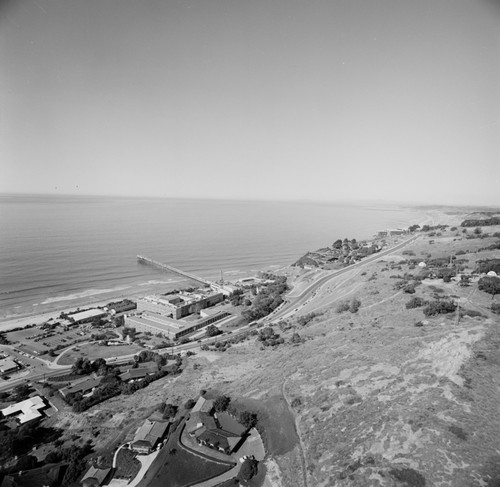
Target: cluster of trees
x: 111, y: 385
x: 83, y: 366
x: 212, y: 331
x: 3, y: 339
x: 487, y: 265
x: 248, y: 419
x: 269, y: 338
x: 159, y: 359
x: 428, y: 228
x: 494, y: 220
x: 489, y: 284
x: 352, y: 306
x: 305, y: 319
x: 168, y: 410
x: 439, y: 306
x: 268, y: 299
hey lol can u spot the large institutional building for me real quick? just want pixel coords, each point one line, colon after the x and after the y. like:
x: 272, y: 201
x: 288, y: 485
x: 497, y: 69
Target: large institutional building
x: 178, y: 305
x: 164, y: 314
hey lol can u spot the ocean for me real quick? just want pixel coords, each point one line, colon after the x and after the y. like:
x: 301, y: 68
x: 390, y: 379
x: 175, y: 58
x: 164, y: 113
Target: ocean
x: 57, y: 249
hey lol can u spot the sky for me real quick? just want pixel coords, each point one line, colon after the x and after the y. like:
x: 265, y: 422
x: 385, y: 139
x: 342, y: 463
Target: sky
x: 328, y: 100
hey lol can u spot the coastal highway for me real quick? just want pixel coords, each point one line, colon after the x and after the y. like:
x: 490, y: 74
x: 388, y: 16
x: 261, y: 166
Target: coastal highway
x: 286, y: 310
x: 289, y: 308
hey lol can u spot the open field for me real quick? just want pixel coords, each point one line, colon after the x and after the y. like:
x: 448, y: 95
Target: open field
x: 93, y: 351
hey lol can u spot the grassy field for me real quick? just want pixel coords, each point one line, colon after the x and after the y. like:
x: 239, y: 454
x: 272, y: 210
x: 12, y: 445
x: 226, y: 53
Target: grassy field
x: 94, y: 351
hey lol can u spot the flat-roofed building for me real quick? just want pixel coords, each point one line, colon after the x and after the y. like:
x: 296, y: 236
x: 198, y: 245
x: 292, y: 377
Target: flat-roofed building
x: 169, y: 327
x: 178, y: 305
x: 8, y: 365
x: 27, y: 410
x: 86, y: 316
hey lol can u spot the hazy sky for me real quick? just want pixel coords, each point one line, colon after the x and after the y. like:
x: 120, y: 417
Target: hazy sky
x: 273, y: 99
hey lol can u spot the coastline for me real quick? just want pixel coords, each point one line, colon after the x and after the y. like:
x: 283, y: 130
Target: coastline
x: 51, y: 306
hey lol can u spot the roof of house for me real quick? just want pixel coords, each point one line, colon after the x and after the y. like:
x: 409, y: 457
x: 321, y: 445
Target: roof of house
x: 229, y: 424
x: 212, y: 437
x: 151, y: 431
x: 95, y: 476
x: 83, y: 386
x: 28, y: 409
x: 138, y: 373
x: 203, y: 405
x: 37, y: 477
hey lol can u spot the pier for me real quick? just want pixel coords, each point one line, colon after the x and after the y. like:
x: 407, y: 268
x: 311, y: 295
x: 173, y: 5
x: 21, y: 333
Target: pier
x: 169, y: 268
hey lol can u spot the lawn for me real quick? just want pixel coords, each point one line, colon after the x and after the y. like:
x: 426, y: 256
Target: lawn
x: 183, y: 468
x: 127, y: 466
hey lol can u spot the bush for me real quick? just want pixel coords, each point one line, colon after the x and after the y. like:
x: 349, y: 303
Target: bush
x: 489, y: 284
x: 221, y: 403
x: 343, y: 306
x: 415, y: 302
x: 440, y: 306
x: 355, y: 305
x: 248, y: 469
x: 495, y: 308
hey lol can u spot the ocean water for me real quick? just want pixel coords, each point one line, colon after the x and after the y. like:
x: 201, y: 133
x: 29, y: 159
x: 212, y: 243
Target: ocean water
x: 54, y: 249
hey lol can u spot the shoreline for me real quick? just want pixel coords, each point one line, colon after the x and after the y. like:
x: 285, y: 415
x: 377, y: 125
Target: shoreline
x: 53, y: 306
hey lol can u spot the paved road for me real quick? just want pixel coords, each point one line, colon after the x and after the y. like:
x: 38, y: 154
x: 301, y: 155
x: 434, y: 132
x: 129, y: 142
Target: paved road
x: 310, y: 290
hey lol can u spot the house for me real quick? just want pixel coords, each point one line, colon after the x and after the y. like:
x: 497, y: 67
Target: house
x: 221, y: 431
x: 135, y: 374
x: 84, y: 387
x: 36, y: 477
x: 203, y: 405
x: 95, y: 476
x: 27, y: 410
x: 148, y: 436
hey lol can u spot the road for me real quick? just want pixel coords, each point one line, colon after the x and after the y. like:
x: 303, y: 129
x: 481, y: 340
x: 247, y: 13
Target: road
x: 289, y: 308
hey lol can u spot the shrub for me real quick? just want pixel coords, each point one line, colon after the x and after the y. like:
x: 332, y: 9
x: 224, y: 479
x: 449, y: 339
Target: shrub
x: 489, y: 284
x: 343, y: 306
x: 440, y: 306
x: 495, y: 308
x: 415, y: 302
x: 355, y: 305
x: 248, y: 469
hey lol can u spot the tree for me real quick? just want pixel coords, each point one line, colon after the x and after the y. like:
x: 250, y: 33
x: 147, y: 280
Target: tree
x: 221, y: 403
x: 248, y: 469
x: 489, y: 284
x: 248, y: 419
x: 170, y: 411
x: 189, y: 404
x: 212, y: 331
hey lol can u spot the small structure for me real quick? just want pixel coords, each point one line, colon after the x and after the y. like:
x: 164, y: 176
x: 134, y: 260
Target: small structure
x: 148, y: 436
x: 95, y: 476
x: 27, y: 410
x: 422, y: 264
x: 492, y: 274
x: 8, y: 365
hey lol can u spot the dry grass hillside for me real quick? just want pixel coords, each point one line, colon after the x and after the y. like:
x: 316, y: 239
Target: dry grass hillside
x: 382, y: 397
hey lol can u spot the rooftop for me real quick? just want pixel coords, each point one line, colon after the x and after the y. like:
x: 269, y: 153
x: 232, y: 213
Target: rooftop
x: 85, y: 315
x: 28, y: 409
x: 151, y: 431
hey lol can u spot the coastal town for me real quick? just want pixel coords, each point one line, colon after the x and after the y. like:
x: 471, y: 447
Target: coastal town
x: 166, y: 389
